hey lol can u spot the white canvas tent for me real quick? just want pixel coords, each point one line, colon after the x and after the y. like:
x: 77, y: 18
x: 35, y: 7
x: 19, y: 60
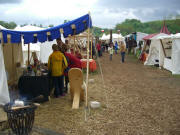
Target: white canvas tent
x: 33, y: 47
x: 4, y: 92
x: 43, y: 50
x: 166, y: 49
x: 12, y: 56
x: 1, y: 27
x: 105, y: 37
x: 115, y: 37
x: 172, y: 63
x: 155, y: 51
x: 140, y: 36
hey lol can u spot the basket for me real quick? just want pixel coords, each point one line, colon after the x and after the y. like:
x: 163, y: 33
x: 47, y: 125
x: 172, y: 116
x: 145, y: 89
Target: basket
x: 21, y: 120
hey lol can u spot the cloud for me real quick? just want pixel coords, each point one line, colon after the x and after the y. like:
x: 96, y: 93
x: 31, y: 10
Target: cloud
x: 144, y: 10
x: 139, y: 3
x: 10, y: 1
x: 104, y: 13
x: 109, y: 17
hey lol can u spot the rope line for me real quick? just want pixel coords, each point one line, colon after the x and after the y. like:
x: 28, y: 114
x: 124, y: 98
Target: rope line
x: 102, y: 76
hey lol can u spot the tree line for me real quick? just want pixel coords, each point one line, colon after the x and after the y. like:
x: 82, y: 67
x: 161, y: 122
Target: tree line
x: 134, y: 25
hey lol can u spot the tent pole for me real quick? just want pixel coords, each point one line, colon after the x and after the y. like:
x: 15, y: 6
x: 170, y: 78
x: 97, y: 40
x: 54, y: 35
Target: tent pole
x: 87, y: 73
x: 91, y: 47
x: 1, y: 37
x: 163, y: 47
x: 28, y: 54
x: 74, y: 43
x: 13, y: 62
x: 74, y: 33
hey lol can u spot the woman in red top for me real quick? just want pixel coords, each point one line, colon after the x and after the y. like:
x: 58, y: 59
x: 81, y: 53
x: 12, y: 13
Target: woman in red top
x: 98, y: 46
x: 78, y: 55
x: 73, y: 62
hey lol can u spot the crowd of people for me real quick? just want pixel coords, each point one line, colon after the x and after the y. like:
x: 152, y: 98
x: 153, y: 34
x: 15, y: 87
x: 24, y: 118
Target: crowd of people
x: 130, y: 44
x: 64, y: 58
x: 59, y: 63
x: 102, y: 46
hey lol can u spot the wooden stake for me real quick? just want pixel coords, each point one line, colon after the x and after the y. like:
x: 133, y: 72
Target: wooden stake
x: 87, y: 73
x: 91, y: 47
x: 74, y: 43
x: 13, y: 65
x: 28, y: 54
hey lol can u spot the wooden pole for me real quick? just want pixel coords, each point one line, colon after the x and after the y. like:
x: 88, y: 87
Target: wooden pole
x: 28, y: 54
x: 74, y: 43
x: 13, y: 65
x: 1, y: 37
x: 163, y: 47
x: 87, y: 73
x: 73, y: 26
x: 110, y: 35
x: 91, y: 47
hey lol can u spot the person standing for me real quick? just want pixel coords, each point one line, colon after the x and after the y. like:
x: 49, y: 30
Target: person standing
x: 116, y: 47
x: 73, y: 62
x: 56, y: 65
x: 111, y: 51
x: 98, y: 46
x: 123, y: 51
x: 130, y: 44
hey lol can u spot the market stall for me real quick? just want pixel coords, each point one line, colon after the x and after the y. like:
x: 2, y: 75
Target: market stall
x: 42, y: 36
x: 170, y: 50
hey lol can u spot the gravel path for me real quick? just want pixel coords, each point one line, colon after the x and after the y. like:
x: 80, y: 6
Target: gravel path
x: 136, y: 100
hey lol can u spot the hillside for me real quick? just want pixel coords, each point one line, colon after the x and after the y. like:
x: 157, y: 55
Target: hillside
x: 132, y: 25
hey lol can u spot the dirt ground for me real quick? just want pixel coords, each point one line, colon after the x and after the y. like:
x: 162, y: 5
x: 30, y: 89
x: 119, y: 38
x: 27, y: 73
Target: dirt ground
x: 136, y: 100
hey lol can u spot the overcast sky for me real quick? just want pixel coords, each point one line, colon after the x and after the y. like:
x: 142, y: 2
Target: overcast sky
x: 105, y: 13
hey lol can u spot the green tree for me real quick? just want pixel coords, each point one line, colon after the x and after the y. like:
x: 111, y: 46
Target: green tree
x: 65, y: 21
x: 10, y: 25
x: 51, y: 25
x: 40, y: 25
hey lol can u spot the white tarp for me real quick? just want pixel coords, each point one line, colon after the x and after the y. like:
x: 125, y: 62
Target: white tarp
x: 33, y: 47
x: 176, y: 56
x: 4, y: 92
x: 168, y: 64
x: 46, y: 49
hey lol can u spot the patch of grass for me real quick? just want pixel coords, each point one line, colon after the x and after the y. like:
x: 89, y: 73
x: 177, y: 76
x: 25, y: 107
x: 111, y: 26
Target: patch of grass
x: 176, y: 76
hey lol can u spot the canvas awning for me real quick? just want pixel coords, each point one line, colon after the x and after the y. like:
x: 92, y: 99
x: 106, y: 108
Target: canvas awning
x: 81, y: 24
x: 148, y: 37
